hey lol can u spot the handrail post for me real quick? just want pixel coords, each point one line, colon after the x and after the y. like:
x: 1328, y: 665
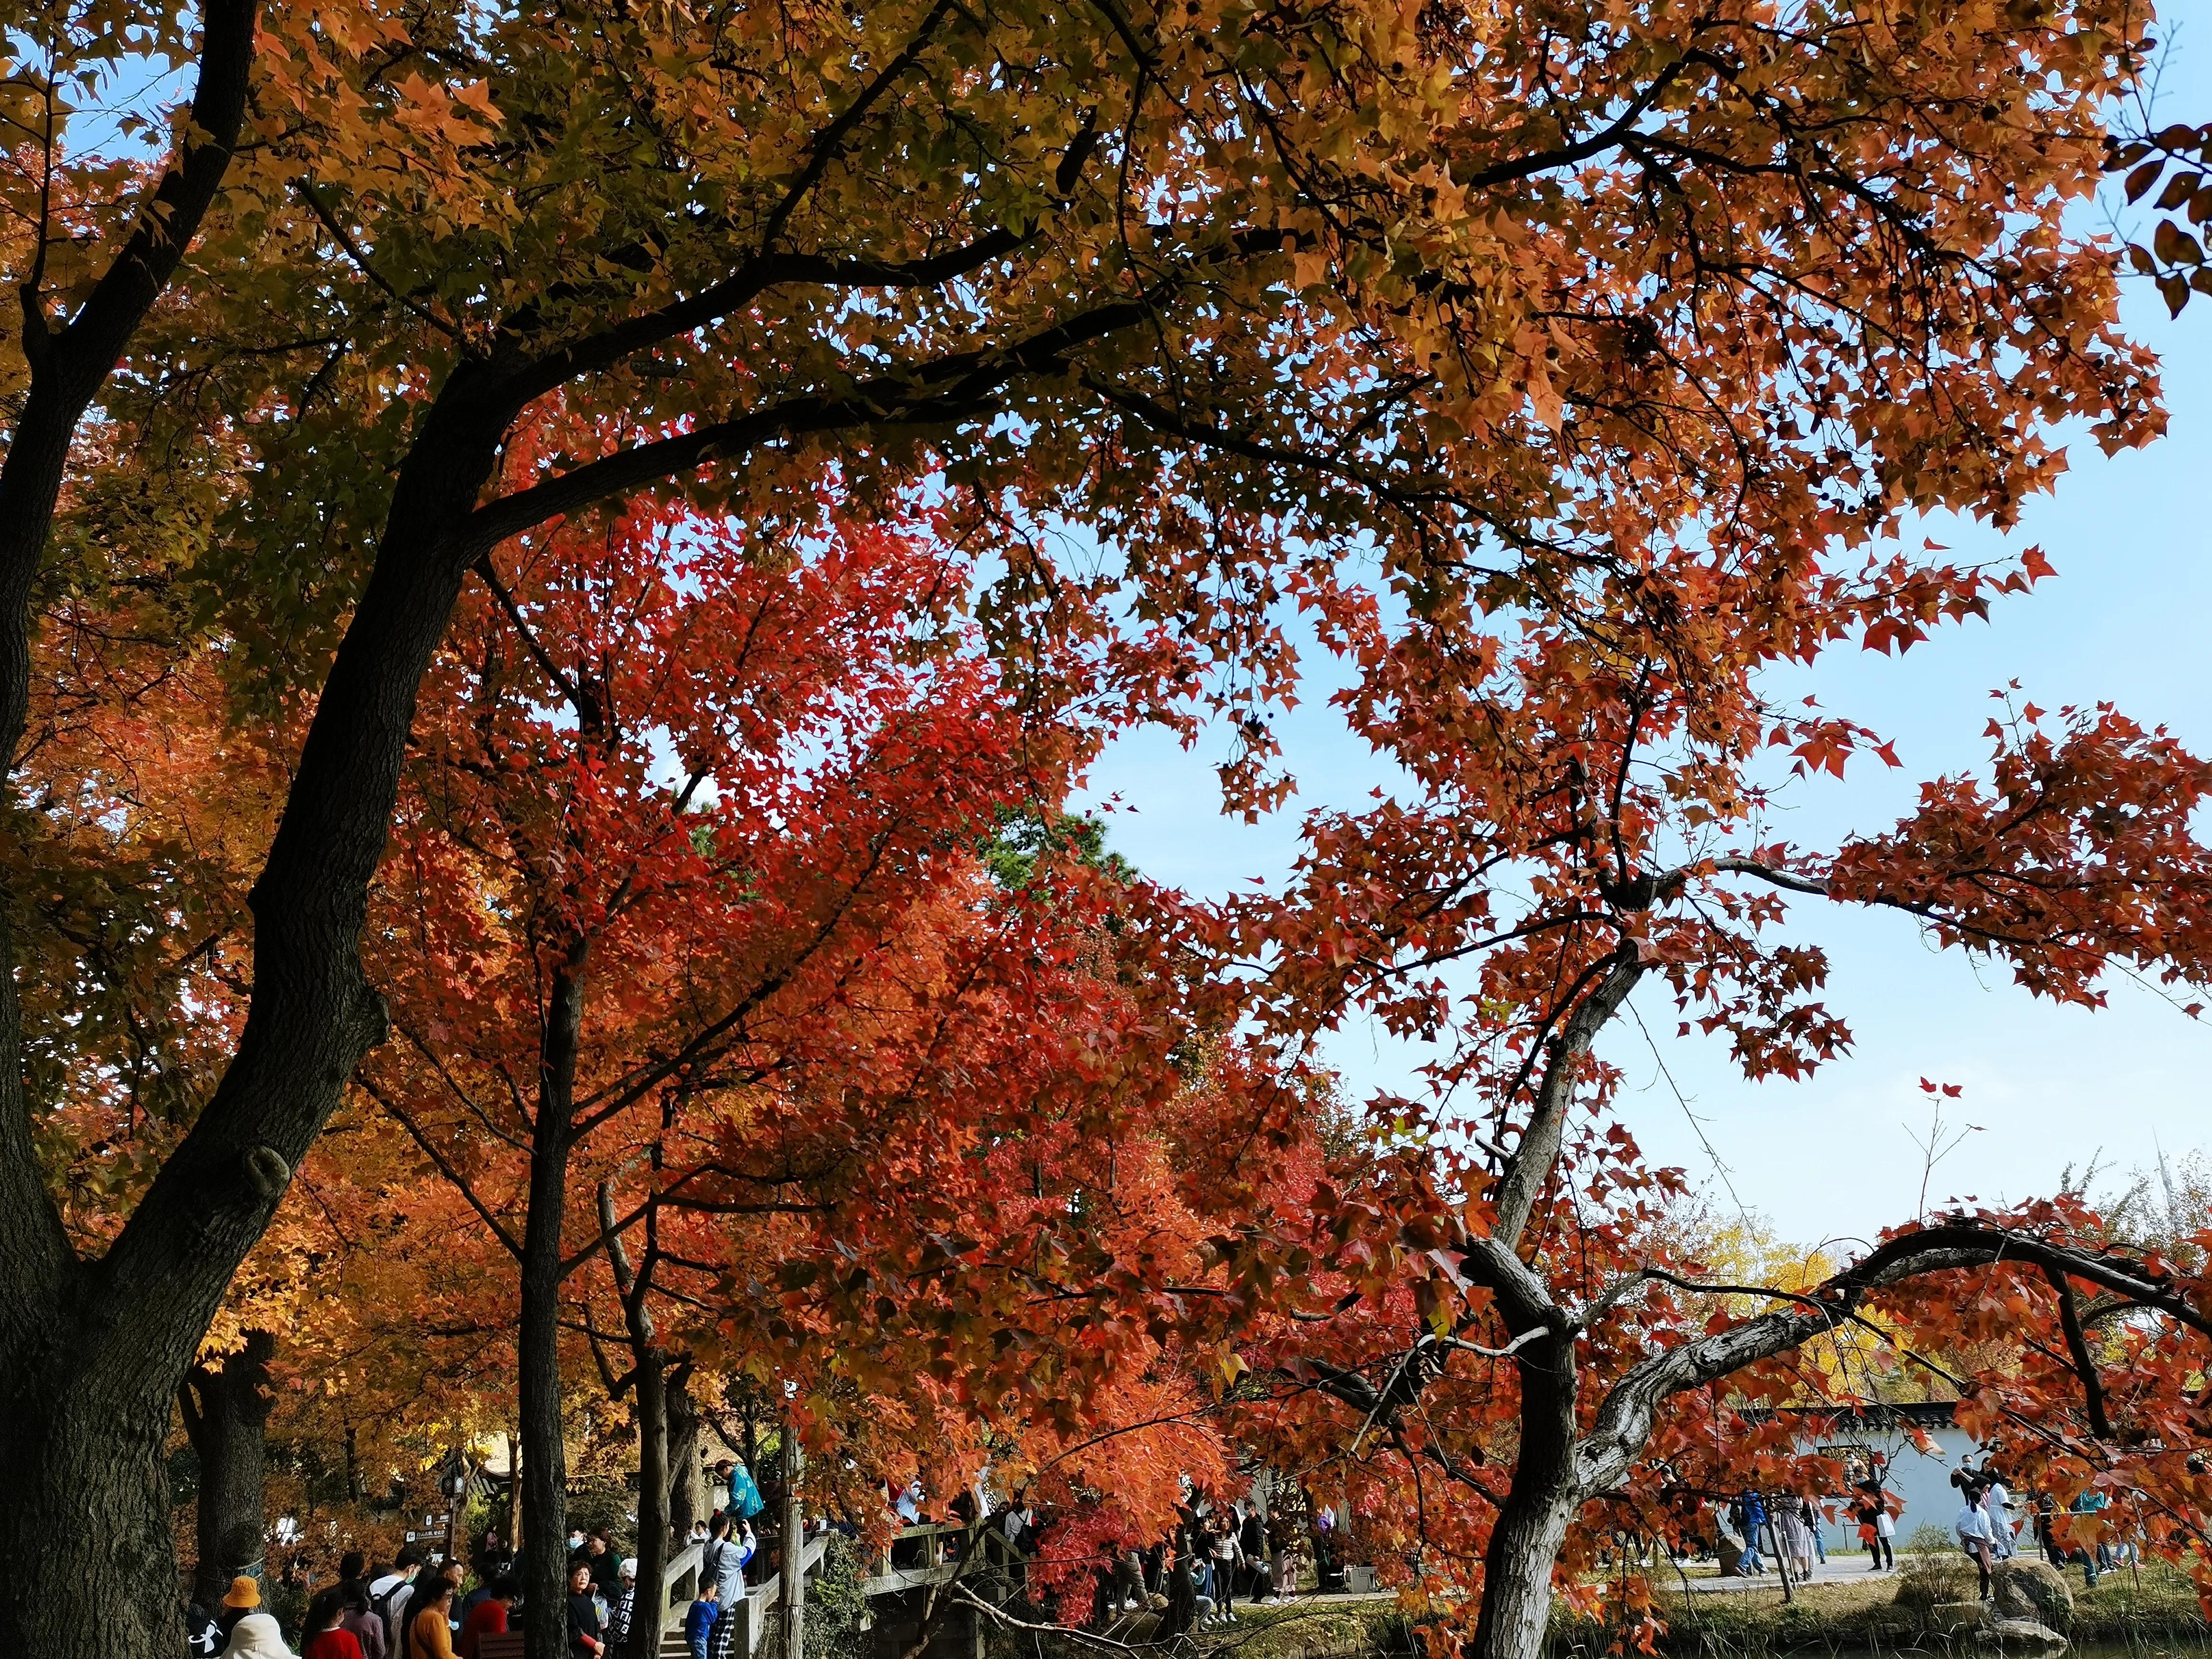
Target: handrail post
x: 794, y: 1546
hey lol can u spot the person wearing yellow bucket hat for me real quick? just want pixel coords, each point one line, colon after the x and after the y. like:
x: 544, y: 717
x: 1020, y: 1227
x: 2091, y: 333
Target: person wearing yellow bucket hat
x: 256, y: 1634
x: 243, y: 1597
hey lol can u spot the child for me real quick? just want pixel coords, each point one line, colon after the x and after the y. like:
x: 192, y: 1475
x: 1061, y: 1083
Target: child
x: 699, y: 1622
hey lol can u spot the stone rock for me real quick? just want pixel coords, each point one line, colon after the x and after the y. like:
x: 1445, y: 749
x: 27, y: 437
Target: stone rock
x: 2020, y: 1636
x: 1953, y: 1618
x: 2024, y: 1589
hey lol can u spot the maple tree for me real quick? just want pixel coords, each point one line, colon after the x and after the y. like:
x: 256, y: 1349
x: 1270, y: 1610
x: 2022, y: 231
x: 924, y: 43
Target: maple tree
x: 1499, y: 296
x: 1531, y: 1351
x: 686, y: 918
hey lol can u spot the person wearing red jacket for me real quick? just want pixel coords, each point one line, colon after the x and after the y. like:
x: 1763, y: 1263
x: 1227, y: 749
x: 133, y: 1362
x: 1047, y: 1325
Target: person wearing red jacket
x: 327, y: 1636
x: 487, y: 1618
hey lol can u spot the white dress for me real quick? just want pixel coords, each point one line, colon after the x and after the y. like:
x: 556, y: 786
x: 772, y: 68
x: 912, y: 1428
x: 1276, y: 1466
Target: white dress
x: 1792, y: 1534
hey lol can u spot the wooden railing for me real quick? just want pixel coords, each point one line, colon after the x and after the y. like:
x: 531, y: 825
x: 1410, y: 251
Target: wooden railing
x: 679, y: 1580
x: 762, y: 1600
x: 946, y: 1547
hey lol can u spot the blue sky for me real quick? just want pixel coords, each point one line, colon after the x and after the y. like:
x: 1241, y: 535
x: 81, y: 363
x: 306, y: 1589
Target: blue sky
x: 2126, y: 619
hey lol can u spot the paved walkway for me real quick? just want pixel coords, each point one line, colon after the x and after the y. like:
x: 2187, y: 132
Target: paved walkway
x: 1836, y: 1569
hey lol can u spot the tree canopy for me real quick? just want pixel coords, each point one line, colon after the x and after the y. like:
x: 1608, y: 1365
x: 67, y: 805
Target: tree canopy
x: 542, y: 551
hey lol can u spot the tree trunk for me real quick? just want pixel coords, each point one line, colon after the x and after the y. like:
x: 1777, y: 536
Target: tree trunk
x: 86, y: 1518
x: 1516, y: 1573
x: 515, y: 1492
x: 93, y: 1354
x: 538, y: 1340
x: 1532, y: 1523
x: 91, y: 1361
x: 650, y: 1604
x: 227, y: 1419
x: 544, y: 1454
x: 687, y: 1484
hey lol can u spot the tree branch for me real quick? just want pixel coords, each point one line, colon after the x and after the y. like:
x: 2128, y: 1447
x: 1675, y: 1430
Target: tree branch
x: 2085, y: 1362
x: 458, y: 1181
x: 354, y: 252
x: 1530, y: 1167
x: 1623, y: 1423
x: 957, y: 386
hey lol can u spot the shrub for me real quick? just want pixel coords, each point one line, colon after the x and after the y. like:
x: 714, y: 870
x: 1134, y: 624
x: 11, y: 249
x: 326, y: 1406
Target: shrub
x: 1934, y: 1570
x: 836, y: 1604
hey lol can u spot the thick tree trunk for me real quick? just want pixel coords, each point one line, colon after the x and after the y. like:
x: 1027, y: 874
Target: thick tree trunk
x: 88, y: 1383
x: 227, y: 1418
x: 687, y: 1483
x: 92, y: 1354
x: 86, y: 1516
x: 651, y: 1602
x: 1517, y: 1574
x: 1532, y: 1523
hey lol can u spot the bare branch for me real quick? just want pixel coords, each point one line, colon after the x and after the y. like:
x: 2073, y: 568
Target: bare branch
x: 460, y: 1182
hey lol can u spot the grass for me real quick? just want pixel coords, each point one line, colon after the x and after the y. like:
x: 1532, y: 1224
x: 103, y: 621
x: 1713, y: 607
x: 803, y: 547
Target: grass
x: 1323, y: 1629
x: 1330, y: 1627
x: 2144, y: 1612
x: 2156, y: 1604
x: 2153, y: 1607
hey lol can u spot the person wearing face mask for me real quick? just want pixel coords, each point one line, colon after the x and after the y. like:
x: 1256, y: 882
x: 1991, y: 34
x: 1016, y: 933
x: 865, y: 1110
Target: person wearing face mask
x: 388, y: 1596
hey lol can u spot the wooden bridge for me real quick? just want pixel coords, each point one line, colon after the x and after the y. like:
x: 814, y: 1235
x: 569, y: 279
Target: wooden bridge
x: 902, y: 1598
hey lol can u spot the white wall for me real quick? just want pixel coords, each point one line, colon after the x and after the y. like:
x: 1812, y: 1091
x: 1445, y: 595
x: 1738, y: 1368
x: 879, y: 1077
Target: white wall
x: 1923, y: 1479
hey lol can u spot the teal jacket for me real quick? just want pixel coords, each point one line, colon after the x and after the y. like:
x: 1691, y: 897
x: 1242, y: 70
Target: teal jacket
x: 745, y: 1500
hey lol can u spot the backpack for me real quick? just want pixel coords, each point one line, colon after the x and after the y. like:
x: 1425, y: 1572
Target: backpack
x: 387, y: 1615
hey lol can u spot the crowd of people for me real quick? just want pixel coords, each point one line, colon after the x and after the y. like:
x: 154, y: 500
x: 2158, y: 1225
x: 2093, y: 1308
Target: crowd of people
x: 1786, y: 1525
x: 372, y: 1611
x: 419, y: 1605
x: 1989, y: 1534
x: 1217, y: 1551
x: 1987, y: 1527
x: 1215, y: 1554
